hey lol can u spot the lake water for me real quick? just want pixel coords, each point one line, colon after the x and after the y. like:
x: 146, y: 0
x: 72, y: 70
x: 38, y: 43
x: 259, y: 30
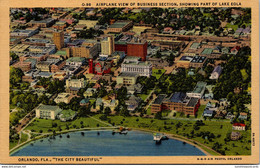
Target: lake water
x: 135, y: 143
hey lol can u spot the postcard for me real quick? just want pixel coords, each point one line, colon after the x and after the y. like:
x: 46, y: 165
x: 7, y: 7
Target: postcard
x: 129, y: 82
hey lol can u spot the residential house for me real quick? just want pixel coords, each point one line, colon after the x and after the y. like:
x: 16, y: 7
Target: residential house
x: 133, y: 102
x: 84, y: 102
x: 230, y: 116
x: 89, y: 92
x: 239, y: 126
x: 243, y: 116
x: 235, y: 50
x: 63, y: 98
x: 235, y: 136
x: 136, y: 88
x: 216, y: 72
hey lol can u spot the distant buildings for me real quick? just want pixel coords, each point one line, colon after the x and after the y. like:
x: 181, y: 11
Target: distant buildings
x: 119, y: 26
x: 100, y: 67
x: 41, y: 23
x: 23, y: 33
x: 191, y: 61
x: 88, y: 49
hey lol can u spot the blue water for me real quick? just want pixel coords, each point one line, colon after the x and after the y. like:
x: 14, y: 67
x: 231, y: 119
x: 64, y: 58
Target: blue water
x: 135, y: 143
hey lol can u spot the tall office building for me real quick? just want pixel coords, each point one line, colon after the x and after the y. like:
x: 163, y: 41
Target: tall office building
x: 107, y: 45
x: 58, y: 39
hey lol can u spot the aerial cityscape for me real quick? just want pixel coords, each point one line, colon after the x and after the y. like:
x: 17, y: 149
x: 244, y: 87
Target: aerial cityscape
x: 168, y: 81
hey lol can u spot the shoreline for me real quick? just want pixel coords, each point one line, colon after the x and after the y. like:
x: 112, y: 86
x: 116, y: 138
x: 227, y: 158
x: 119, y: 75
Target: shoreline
x: 14, y: 149
x: 171, y: 136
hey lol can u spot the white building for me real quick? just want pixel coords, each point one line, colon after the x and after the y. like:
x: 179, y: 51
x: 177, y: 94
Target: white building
x: 76, y: 83
x: 47, y: 111
x: 63, y: 98
x: 138, y: 67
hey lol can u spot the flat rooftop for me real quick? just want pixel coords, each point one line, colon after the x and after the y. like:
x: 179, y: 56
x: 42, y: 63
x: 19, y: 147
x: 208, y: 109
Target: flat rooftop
x: 119, y: 24
x: 159, y: 99
x: 177, y: 97
x: 128, y: 74
x: 193, y: 101
x: 48, y: 107
x: 207, y: 51
x: 199, y: 87
x: 198, y: 59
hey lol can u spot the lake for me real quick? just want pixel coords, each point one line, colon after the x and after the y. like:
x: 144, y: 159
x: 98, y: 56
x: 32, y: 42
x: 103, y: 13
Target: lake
x: 135, y: 143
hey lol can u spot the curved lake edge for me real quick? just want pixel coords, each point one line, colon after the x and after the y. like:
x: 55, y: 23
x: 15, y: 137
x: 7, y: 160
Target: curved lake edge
x: 173, y: 136
x: 170, y: 135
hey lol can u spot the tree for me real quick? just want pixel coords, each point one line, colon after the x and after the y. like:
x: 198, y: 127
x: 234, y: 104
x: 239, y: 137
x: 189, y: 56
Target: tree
x: 158, y: 115
x: 107, y: 110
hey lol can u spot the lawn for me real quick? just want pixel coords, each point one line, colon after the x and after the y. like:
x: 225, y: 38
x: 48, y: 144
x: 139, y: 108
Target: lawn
x: 24, y: 137
x: 185, y: 128
x: 200, y: 111
x: 148, y: 112
x: 45, y: 125
x: 157, y: 74
x: 234, y: 27
x: 165, y: 113
x: 12, y: 144
x: 144, y: 96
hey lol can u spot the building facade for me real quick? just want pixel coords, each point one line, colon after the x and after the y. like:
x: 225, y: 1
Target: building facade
x: 58, y: 39
x: 107, y: 45
x: 47, y: 111
x: 138, y: 48
x: 126, y: 78
x: 138, y: 67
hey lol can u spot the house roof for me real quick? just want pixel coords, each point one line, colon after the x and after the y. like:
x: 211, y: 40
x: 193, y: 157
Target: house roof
x: 217, y: 69
x: 235, y: 48
x: 239, y: 124
x: 207, y: 111
x: 193, y: 101
x: 84, y: 101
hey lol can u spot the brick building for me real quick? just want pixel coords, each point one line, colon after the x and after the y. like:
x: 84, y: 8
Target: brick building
x: 138, y: 48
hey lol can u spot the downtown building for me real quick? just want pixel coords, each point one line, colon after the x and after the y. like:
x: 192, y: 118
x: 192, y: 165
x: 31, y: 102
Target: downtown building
x: 107, y: 45
x: 58, y: 39
x: 133, y: 65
